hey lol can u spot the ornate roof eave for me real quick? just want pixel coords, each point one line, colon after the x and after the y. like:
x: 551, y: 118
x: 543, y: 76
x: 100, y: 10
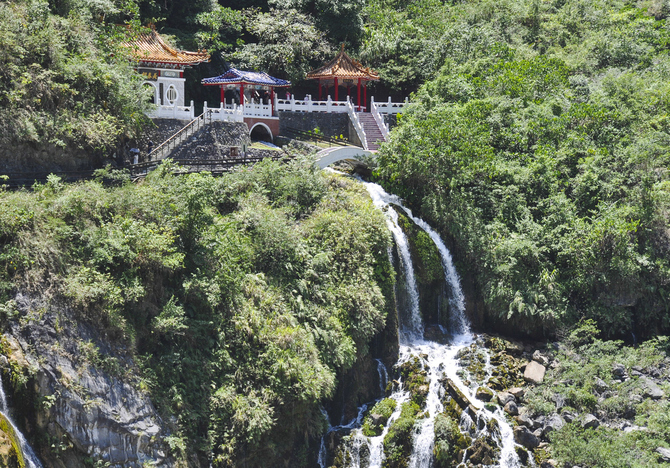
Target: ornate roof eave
x: 238, y: 77
x: 344, y: 67
x: 151, y: 48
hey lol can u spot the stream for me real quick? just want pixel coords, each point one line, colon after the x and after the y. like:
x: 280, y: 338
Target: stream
x: 439, y: 361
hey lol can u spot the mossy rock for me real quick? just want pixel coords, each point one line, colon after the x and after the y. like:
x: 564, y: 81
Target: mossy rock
x: 11, y: 455
x: 376, y: 419
x: 450, y: 442
x: 398, y: 440
x: 415, y: 380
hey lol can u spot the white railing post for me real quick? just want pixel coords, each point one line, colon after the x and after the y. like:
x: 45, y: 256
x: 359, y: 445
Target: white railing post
x: 357, y: 125
x: 329, y: 104
x: 192, y: 110
x: 292, y: 103
x: 379, y: 120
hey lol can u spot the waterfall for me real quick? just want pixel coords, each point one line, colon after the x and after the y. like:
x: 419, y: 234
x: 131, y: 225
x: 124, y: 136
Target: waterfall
x: 412, y: 328
x: 28, y: 454
x: 383, y: 377
x: 439, y: 360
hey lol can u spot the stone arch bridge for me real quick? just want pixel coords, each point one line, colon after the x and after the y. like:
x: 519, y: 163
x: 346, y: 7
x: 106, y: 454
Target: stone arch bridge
x: 328, y: 156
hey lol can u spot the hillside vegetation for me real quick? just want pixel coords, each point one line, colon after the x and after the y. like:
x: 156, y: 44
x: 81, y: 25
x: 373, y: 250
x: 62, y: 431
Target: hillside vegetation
x: 541, y: 150
x: 243, y: 298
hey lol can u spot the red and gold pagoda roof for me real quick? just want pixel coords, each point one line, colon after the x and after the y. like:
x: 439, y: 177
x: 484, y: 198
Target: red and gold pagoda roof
x: 343, y: 67
x: 150, y: 48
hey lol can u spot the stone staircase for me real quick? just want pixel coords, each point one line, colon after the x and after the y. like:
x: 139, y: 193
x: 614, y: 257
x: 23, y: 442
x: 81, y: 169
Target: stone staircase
x: 372, y: 131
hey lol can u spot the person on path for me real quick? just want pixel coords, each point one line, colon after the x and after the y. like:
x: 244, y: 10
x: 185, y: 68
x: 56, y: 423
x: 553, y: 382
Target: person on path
x: 135, y: 152
x: 150, y: 148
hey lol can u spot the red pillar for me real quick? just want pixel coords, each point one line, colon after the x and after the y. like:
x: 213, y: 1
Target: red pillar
x: 241, y: 94
x: 359, y: 94
x: 223, y: 96
x: 336, y: 88
x: 272, y: 101
x: 366, y: 96
x: 319, y: 89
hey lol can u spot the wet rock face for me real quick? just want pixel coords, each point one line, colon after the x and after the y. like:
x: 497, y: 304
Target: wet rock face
x: 94, y: 413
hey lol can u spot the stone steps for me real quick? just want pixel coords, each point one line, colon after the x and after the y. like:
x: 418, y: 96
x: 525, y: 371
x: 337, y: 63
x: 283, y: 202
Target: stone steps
x: 372, y: 132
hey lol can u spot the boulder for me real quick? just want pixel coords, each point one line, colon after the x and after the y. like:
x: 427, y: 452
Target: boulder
x: 651, y: 390
x: 619, y: 371
x: 540, y: 358
x: 600, y: 385
x: 524, y: 437
x: 378, y: 419
x: 534, y: 372
x: 517, y: 392
x: 664, y: 453
x: 504, y: 398
x: 590, y: 422
x: 524, y: 420
x: 484, y: 394
x: 511, y: 408
x: 553, y: 423
x: 513, y: 347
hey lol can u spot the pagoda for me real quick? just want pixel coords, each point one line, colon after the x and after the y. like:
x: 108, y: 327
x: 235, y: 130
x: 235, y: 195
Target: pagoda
x: 163, y: 66
x: 256, y: 83
x: 343, y: 70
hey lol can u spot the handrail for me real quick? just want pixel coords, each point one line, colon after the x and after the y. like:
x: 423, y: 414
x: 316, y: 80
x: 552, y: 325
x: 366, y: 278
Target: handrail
x: 312, y: 136
x: 383, y: 127
x: 171, y: 143
x: 357, y: 124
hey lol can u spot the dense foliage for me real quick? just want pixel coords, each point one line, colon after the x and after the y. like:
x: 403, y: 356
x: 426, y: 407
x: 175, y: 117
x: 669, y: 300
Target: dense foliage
x: 64, y: 81
x: 541, y: 150
x: 244, y: 297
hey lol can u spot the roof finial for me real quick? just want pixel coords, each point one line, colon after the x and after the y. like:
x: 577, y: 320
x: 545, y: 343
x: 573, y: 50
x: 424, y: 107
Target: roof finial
x: 342, y: 49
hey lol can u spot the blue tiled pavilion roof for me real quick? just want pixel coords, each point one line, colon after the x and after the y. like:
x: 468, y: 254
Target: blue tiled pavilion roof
x: 234, y: 75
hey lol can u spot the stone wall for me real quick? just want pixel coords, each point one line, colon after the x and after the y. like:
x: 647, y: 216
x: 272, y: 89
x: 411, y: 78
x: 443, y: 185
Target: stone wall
x: 330, y: 125
x: 25, y: 158
x: 213, y: 141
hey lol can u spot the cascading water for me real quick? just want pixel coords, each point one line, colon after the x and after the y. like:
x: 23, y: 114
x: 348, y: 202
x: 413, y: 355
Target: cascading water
x: 28, y: 454
x: 439, y: 360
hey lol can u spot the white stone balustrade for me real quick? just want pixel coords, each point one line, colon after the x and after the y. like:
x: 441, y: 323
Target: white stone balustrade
x: 173, y: 112
x: 307, y: 105
x: 388, y: 107
x: 223, y: 113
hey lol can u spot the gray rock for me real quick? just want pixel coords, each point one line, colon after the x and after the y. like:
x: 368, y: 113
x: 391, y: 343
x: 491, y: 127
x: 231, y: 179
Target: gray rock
x: 534, y: 372
x: 630, y: 429
x: 590, y: 422
x: 619, y: 371
x: 554, y: 423
x: 540, y: 358
x: 484, y: 394
x: 664, y: 453
x: 524, y: 437
x: 651, y: 390
x: 517, y: 392
x: 524, y: 420
x: 559, y: 400
x: 98, y: 412
x: 511, y: 408
x: 568, y: 416
x: 504, y: 398
x: 377, y: 419
x: 600, y: 385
